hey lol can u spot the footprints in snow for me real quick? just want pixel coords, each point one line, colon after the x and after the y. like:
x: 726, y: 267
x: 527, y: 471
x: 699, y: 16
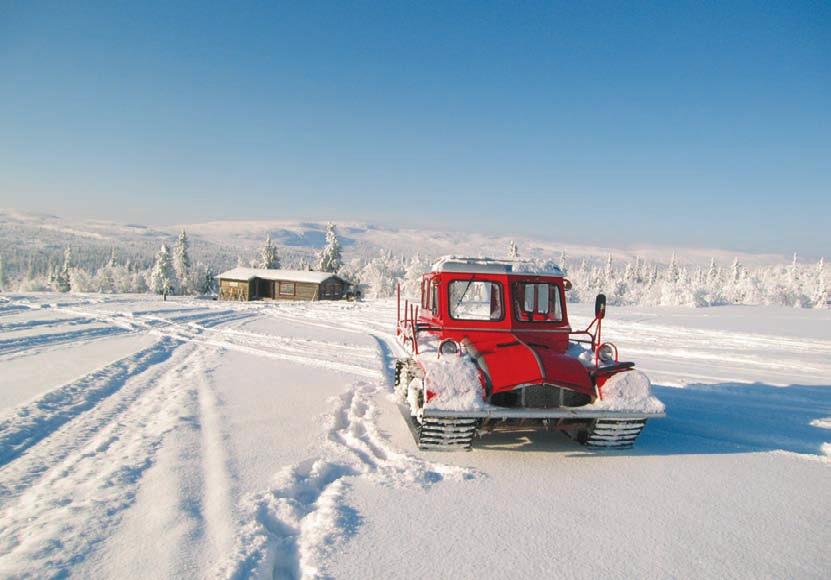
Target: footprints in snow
x: 294, y: 526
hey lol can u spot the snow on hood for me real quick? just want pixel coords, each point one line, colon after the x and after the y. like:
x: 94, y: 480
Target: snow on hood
x: 629, y: 391
x: 582, y: 353
x: 455, y: 381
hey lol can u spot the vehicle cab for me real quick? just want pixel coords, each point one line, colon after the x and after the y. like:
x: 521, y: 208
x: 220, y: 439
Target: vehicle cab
x: 513, y: 323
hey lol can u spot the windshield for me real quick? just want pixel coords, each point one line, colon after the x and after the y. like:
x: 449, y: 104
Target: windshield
x: 476, y: 300
x: 537, y: 302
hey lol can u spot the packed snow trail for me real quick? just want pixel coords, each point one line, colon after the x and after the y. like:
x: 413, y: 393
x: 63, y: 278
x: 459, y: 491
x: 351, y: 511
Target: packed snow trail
x: 59, y: 519
x: 70, y: 460
x: 30, y: 423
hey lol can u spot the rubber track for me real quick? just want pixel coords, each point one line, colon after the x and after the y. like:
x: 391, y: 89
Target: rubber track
x: 446, y: 434
x: 614, y: 433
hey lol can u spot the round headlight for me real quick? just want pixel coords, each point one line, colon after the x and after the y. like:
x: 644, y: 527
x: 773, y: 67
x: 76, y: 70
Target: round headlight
x: 449, y: 347
x: 606, y: 353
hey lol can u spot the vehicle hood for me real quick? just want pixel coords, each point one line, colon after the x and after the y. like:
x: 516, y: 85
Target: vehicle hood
x: 510, y: 361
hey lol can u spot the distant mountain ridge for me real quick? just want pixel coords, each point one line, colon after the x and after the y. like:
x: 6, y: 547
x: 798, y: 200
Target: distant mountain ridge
x: 32, y: 230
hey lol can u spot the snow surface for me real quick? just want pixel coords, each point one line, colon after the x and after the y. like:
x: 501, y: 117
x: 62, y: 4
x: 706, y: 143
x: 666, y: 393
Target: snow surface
x: 200, y: 439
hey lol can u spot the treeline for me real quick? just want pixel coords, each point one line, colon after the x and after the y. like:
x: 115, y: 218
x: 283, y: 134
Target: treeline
x: 173, y: 271
x: 637, y: 282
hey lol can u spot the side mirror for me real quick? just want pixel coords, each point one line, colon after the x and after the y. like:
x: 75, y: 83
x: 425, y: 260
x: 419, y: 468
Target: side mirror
x: 600, y: 306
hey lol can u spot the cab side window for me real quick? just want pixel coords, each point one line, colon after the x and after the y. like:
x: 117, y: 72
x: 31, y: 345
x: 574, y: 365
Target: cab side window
x: 534, y: 302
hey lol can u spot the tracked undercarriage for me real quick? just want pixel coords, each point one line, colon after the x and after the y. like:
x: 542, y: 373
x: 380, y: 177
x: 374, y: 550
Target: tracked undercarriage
x: 439, y: 430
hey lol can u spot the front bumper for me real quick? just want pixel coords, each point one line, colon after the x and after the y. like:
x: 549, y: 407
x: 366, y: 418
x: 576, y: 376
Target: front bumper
x: 494, y: 412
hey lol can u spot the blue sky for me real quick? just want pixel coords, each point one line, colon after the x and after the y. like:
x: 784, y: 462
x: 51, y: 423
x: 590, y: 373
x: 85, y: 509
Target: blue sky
x: 613, y: 123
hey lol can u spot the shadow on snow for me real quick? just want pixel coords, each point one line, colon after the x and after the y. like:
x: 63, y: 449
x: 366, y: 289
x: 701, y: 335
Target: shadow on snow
x: 709, y: 419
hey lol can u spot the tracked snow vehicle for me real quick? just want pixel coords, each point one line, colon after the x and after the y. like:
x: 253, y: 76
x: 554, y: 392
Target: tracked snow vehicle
x: 490, y: 348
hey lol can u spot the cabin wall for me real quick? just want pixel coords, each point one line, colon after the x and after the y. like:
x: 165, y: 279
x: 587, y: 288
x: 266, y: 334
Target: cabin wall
x: 302, y: 291
x: 238, y: 290
x: 281, y: 290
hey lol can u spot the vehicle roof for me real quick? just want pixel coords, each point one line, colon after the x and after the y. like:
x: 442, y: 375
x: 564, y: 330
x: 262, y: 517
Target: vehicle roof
x: 493, y: 266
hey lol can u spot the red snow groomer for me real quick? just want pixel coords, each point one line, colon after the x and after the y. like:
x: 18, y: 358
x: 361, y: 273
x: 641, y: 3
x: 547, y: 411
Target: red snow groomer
x: 490, y: 348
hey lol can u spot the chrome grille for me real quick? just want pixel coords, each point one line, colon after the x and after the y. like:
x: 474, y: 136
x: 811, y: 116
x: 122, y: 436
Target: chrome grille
x: 540, y: 396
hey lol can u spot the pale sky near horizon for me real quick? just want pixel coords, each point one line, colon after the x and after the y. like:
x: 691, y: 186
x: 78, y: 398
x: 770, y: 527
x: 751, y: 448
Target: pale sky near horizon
x: 697, y: 124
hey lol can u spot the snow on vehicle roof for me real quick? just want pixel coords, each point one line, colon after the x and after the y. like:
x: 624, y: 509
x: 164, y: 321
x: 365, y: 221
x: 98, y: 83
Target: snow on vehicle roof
x: 491, y: 266
x: 288, y: 275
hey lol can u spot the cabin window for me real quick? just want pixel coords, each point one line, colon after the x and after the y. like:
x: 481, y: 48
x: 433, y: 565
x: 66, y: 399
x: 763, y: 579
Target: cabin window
x: 434, y: 299
x: 535, y: 302
x: 287, y: 288
x: 476, y: 300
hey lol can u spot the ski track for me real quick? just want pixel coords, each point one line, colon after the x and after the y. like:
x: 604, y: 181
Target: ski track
x: 49, y: 323
x: 58, y: 520
x: 33, y: 421
x: 29, y: 345
x: 198, y: 326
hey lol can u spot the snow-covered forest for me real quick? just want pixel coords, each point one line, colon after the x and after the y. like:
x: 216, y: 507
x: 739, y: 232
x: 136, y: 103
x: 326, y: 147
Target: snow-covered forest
x: 182, y: 265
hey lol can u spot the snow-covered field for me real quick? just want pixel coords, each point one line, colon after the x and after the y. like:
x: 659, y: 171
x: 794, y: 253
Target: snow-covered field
x: 191, y: 438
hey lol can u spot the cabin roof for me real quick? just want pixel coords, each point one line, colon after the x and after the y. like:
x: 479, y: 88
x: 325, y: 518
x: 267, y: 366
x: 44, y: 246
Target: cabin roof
x: 492, y: 266
x: 249, y: 274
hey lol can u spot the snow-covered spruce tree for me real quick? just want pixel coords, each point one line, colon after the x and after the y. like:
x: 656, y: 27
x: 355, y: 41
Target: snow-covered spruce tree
x: 638, y: 270
x: 162, y: 274
x: 181, y: 263
x: 793, y: 273
x: 205, y: 279
x: 381, y: 275
x: 671, y: 284
x: 329, y: 258
x: 673, y: 272
x: 609, y: 271
x: 104, y: 279
x: 735, y: 283
x: 415, y: 269
x: 564, y: 263
x: 819, y: 299
x: 82, y: 281
x: 629, y: 276
x: 352, y: 271
x: 712, y: 272
x: 268, y: 258
x: 62, y: 277
x: 513, y: 250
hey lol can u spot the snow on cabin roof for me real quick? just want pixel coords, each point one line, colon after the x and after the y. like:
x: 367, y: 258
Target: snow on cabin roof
x: 287, y: 275
x: 492, y: 266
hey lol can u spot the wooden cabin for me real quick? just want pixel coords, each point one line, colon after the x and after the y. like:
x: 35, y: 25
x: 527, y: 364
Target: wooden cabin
x: 257, y: 284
